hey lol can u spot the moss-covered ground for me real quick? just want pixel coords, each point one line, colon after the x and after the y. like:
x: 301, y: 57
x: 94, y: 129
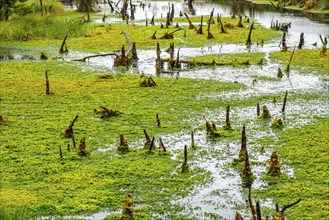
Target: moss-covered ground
x: 36, y: 181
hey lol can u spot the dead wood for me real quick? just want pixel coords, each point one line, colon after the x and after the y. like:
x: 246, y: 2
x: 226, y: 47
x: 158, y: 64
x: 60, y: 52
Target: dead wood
x: 106, y: 112
x: 123, y: 145
x: 148, y: 82
x: 191, y: 26
x: 63, y: 48
x: 161, y: 145
x: 200, y: 31
x: 69, y: 129
x: 47, y: 84
x: 185, y: 166
x: 147, y: 143
x: 128, y: 208
x: 249, y: 35
x: 82, y: 148
x: 97, y: 55
x: 274, y: 165
x: 227, y: 125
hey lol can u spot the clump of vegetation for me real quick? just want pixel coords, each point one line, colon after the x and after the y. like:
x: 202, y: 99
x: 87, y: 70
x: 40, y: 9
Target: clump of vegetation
x: 265, y: 112
x: 212, y: 129
x: 106, y: 112
x: 277, y: 123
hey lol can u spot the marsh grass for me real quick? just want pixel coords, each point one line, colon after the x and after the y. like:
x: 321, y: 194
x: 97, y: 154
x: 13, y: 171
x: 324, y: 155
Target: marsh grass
x: 13, y: 213
x: 106, y: 37
x: 50, y: 26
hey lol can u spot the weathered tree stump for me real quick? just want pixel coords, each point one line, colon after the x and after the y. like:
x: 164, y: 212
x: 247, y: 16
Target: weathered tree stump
x: 243, y: 149
x: 60, y: 152
x: 158, y: 61
x: 277, y: 123
x: 200, y: 31
x: 82, y: 148
x: 284, y: 101
x: 63, y: 48
x: 191, y: 26
x: 148, y: 82
x: 227, y: 125
x: 301, y: 41
x: 279, y: 215
x: 123, y: 145
x: 148, y: 141
x: 158, y: 120
x: 69, y: 129
x: 258, y: 109
x: 274, y: 168
x: 47, y: 84
x: 128, y: 208
x: 279, y: 73
x: 265, y: 113
x: 249, y: 35
x: 239, y: 24
x: 288, y: 66
x: 106, y: 112
x: 237, y: 216
x: 185, y: 166
x: 284, y: 43
x: 161, y: 146
x: 123, y: 59
x: 151, y: 145
x: 323, y: 51
x: 192, y: 140
x: 211, y: 129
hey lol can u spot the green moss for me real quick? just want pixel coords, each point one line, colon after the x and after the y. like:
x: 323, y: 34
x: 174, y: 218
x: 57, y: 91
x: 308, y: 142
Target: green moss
x: 305, y: 61
x: 305, y: 150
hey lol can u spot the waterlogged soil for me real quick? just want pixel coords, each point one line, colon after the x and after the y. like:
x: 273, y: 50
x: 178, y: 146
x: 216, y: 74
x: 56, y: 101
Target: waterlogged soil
x: 218, y: 191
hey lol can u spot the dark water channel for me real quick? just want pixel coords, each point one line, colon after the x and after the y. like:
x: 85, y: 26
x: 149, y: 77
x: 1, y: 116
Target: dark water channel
x: 220, y: 198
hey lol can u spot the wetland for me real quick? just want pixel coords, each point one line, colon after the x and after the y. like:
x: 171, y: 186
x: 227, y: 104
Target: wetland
x: 64, y: 118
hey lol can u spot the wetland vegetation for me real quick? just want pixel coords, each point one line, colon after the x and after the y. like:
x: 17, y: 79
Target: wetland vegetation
x: 64, y: 122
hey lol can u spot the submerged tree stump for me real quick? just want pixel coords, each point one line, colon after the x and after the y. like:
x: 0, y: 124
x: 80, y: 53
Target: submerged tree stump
x: 274, y: 165
x: 123, y: 146
x: 128, y: 209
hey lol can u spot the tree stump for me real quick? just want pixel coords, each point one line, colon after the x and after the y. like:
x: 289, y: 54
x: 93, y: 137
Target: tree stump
x: 123, y: 146
x: 128, y: 209
x: 82, y: 148
x: 265, y: 113
x: 274, y: 165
